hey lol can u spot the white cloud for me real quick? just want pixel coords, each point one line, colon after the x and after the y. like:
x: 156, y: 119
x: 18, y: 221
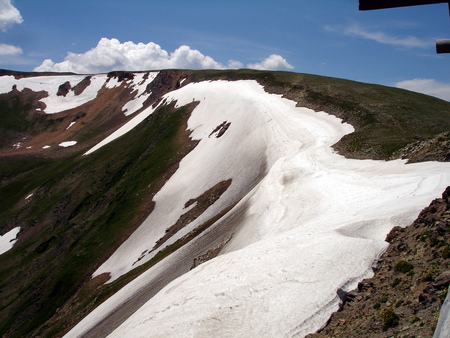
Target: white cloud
x: 427, y: 86
x: 111, y: 54
x: 381, y: 37
x: 9, y: 49
x: 273, y: 62
x: 233, y: 64
x: 9, y: 14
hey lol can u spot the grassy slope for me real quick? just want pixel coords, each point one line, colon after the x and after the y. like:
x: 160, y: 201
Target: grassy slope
x: 83, y: 207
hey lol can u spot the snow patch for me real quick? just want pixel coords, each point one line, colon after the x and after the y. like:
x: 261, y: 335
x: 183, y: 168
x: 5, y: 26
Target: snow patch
x: 67, y: 144
x: 7, y: 240
x: 113, y: 82
x: 140, y: 84
x: 50, y: 84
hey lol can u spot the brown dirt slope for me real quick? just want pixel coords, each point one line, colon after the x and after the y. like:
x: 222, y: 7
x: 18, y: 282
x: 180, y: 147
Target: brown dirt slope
x: 411, y: 279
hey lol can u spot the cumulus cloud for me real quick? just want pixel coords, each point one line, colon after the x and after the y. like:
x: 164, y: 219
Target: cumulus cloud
x: 427, y: 86
x: 381, y: 37
x: 233, y: 64
x: 273, y: 62
x: 9, y: 49
x: 111, y: 54
x: 9, y: 14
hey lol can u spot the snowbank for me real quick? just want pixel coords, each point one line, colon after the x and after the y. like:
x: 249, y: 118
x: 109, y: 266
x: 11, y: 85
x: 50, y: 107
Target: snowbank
x: 313, y: 224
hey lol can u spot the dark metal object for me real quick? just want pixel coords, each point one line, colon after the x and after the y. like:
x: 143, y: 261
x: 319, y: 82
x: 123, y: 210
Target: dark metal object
x: 365, y: 5
x: 443, y: 46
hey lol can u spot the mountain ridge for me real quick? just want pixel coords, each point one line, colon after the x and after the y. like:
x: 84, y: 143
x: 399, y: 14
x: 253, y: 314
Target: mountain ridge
x: 112, y: 187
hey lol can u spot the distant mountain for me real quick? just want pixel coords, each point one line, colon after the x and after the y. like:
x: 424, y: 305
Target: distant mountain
x: 202, y: 203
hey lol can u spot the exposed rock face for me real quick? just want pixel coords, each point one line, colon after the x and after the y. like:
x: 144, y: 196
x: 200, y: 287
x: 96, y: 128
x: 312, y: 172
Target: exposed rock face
x: 221, y: 129
x: 404, y: 297
x: 435, y: 149
x: 121, y: 75
x: 165, y: 82
x: 80, y: 87
x: 64, y: 89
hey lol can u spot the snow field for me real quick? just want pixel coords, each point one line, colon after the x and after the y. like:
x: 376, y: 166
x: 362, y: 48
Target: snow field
x: 50, y: 84
x: 55, y: 104
x: 314, y: 223
x: 240, y: 154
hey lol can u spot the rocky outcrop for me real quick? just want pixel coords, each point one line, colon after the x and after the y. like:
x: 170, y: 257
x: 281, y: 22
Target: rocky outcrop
x: 165, y: 81
x: 64, y: 89
x: 435, y: 149
x: 81, y: 86
x: 411, y: 280
x: 121, y: 75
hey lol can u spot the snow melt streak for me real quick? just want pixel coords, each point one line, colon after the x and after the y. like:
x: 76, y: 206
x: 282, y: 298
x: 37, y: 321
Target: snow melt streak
x: 314, y: 224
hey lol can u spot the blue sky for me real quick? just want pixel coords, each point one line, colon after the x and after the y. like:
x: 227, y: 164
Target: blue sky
x: 394, y: 47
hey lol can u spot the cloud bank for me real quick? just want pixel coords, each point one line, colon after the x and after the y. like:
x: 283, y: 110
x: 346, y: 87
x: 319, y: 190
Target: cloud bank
x: 111, y: 54
x: 9, y: 15
x: 427, y: 86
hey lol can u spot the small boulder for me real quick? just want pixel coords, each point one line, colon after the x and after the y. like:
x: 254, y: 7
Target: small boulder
x: 442, y: 280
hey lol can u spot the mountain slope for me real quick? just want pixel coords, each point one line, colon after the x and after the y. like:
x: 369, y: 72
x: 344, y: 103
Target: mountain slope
x: 84, y: 206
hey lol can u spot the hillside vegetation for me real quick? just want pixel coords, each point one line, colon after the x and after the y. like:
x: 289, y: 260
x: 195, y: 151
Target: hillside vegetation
x: 84, y: 207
